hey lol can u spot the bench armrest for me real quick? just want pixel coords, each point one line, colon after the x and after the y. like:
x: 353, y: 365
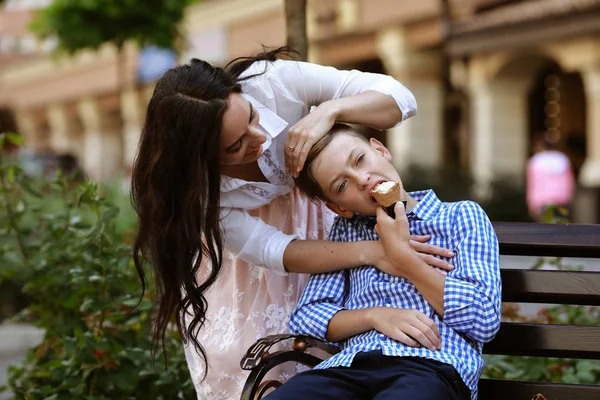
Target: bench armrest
x: 259, y: 351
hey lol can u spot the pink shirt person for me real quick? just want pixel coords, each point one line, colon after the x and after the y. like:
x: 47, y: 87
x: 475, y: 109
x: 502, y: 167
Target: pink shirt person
x: 550, y: 180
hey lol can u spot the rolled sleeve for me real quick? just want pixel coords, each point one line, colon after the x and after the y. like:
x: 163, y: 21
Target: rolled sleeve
x: 322, y: 298
x: 314, y: 84
x: 313, y: 320
x: 406, y: 101
x: 254, y: 241
x: 472, y: 293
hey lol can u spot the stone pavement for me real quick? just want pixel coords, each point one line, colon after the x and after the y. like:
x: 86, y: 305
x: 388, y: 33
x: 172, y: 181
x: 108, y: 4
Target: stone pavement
x: 14, y: 342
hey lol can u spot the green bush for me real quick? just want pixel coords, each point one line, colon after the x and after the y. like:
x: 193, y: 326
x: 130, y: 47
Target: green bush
x: 82, y: 290
x: 545, y: 369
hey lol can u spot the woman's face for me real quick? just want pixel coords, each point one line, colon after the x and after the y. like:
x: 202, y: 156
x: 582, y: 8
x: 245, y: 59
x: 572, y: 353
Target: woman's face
x: 241, y: 138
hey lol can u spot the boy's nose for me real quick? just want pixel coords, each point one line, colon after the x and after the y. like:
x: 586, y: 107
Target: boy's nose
x: 363, y: 181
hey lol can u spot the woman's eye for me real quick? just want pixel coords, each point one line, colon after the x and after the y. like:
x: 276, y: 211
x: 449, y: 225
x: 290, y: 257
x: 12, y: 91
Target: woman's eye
x: 342, y: 187
x: 360, y: 158
x: 236, y: 148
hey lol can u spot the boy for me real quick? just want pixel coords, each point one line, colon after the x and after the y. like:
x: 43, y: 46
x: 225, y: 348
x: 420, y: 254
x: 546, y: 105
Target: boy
x: 418, y: 336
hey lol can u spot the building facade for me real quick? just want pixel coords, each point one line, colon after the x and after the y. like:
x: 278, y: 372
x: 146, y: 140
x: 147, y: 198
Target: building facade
x: 503, y: 70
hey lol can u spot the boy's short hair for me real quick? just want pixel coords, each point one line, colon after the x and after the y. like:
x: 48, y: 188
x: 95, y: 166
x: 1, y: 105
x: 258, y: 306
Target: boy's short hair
x: 305, y: 181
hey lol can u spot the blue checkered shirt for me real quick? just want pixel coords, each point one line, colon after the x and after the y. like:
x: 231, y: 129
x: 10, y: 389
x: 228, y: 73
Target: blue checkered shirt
x: 472, y: 294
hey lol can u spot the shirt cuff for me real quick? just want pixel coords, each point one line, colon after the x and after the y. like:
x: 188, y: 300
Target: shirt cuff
x: 273, y: 252
x: 404, y: 98
x: 458, y: 297
x: 320, y: 316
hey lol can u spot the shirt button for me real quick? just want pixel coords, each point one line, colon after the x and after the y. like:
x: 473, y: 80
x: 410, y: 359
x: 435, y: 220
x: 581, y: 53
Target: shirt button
x: 387, y: 300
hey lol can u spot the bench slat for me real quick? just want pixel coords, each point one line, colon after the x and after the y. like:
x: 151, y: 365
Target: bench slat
x: 542, y: 340
x: 556, y: 240
x: 496, y: 389
x: 556, y: 287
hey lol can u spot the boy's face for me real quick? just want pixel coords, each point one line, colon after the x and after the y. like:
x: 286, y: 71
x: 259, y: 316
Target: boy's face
x: 348, y: 169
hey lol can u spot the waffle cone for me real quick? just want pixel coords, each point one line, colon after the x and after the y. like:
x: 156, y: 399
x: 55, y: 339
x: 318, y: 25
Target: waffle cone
x: 390, y: 197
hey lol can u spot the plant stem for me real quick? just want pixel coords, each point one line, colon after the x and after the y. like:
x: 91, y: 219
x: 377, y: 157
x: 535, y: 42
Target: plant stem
x: 93, y: 383
x: 11, y: 215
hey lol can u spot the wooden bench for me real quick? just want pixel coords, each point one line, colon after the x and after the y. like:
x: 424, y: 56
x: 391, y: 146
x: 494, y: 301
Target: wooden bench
x: 524, y: 339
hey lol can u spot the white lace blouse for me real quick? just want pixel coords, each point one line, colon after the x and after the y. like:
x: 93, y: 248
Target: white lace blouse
x: 282, y: 96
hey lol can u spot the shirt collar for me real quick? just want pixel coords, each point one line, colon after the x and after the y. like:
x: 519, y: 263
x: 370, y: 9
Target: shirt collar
x: 427, y: 205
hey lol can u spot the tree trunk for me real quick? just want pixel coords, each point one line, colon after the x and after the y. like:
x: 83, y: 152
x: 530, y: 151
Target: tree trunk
x: 121, y: 66
x: 295, y: 18
x: 445, y: 21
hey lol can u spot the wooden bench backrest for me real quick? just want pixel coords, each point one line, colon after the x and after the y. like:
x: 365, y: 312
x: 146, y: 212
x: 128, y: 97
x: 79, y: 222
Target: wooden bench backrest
x: 554, y: 287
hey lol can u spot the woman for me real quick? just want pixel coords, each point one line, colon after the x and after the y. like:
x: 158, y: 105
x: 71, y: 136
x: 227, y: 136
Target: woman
x: 215, y: 202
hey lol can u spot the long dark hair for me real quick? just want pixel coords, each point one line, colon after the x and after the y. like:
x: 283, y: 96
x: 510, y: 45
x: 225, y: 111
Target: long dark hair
x: 176, y: 189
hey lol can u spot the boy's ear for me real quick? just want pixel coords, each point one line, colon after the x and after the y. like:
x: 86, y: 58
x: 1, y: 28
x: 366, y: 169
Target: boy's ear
x: 341, y: 211
x: 380, y: 148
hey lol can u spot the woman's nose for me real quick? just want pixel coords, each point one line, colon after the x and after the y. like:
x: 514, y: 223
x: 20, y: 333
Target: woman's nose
x: 256, y: 135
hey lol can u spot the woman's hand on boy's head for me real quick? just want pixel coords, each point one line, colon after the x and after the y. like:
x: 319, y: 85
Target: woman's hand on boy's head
x: 304, y: 134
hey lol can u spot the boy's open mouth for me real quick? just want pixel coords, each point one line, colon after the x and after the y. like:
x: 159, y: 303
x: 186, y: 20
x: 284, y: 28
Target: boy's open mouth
x: 373, y: 188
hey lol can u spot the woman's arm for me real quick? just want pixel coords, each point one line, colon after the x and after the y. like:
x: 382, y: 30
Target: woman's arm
x: 374, y: 100
x: 317, y: 256
x: 370, y: 108
x: 262, y: 245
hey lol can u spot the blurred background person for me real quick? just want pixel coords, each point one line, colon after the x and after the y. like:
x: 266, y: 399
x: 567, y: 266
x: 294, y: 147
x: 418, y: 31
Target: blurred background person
x: 550, y: 178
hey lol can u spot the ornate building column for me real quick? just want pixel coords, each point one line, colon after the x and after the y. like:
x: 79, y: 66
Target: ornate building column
x: 62, y: 138
x: 132, y: 115
x: 102, y: 143
x: 590, y: 173
x: 498, y: 126
x: 419, y: 140
x: 29, y: 126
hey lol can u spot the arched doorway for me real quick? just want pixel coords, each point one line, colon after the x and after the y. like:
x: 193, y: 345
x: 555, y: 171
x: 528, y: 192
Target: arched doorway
x: 557, y: 110
x: 511, y: 103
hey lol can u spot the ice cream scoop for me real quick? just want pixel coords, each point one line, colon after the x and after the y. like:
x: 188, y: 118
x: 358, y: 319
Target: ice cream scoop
x: 387, y: 194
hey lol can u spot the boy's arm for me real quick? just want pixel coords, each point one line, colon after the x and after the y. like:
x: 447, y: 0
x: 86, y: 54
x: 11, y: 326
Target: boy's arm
x: 321, y: 300
x: 469, y: 297
x: 411, y: 327
x: 472, y: 294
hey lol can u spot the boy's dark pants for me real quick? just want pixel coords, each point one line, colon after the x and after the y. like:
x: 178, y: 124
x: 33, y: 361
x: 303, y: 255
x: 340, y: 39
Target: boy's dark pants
x: 378, y: 377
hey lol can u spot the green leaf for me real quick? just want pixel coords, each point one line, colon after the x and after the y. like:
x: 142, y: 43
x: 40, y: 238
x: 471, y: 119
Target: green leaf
x: 137, y: 354
x: 10, y: 174
x: 110, y: 214
x: 15, y: 139
x: 26, y: 185
x: 96, y: 278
